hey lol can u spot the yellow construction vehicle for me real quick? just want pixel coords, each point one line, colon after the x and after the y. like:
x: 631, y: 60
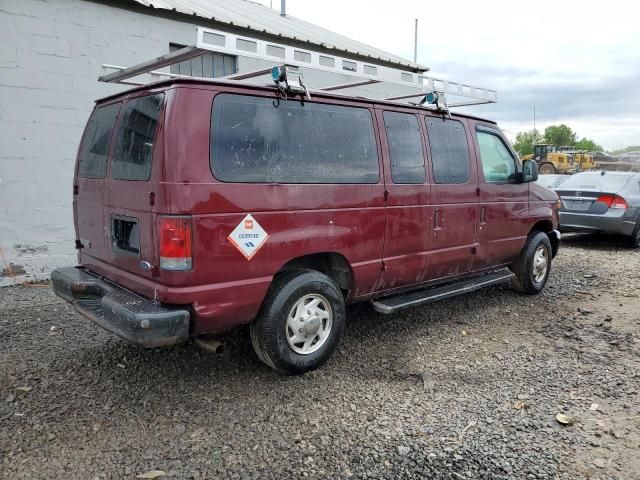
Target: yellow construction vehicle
x: 552, y: 159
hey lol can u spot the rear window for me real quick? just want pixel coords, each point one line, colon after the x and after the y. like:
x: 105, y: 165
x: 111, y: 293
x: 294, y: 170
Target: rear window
x: 135, y: 138
x: 257, y: 139
x: 610, y: 182
x: 551, y: 181
x: 449, y: 151
x: 96, y: 140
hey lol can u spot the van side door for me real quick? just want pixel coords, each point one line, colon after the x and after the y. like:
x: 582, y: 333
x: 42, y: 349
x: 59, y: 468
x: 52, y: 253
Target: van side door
x: 408, y: 209
x: 504, y: 200
x: 454, y: 198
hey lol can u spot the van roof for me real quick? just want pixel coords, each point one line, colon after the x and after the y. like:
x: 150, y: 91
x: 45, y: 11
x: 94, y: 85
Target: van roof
x: 252, y: 86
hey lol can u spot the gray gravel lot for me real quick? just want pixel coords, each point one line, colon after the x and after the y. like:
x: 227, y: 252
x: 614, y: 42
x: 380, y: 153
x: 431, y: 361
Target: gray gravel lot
x: 467, y: 388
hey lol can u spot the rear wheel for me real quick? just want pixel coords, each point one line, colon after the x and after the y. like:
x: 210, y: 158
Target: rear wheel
x: 533, y: 266
x: 547, y: 169
x: 634, y: 240
x: 300, y: 323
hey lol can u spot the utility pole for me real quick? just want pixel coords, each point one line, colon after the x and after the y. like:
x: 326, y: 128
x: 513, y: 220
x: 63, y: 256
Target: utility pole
x: 415, y: 43
x: 534, y: 118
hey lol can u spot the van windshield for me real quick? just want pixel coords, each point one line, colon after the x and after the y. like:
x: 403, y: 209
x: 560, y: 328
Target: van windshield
x: 135, y: 138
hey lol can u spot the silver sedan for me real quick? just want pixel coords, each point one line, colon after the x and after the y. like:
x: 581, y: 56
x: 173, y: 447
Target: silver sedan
x: 601, y: 201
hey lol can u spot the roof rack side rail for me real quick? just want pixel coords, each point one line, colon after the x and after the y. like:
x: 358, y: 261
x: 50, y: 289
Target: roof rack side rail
x: 407, y: 83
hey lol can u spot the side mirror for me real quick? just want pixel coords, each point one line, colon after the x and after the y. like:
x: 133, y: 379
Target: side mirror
x: 529, y: 171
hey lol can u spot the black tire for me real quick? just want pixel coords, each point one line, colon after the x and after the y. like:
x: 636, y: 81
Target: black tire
x: 270, y: 329
x: 634, y: 239
x: 523, y: 268
x: 547, y: 169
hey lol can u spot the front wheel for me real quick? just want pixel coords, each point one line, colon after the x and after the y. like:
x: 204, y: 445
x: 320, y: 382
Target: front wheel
x: 533, y: 266
x: 300, y: 323
x: 547, y: 169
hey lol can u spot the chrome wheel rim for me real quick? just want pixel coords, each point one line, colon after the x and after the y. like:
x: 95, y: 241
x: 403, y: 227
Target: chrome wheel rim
x: 309, y: 324
x: 540, y: 264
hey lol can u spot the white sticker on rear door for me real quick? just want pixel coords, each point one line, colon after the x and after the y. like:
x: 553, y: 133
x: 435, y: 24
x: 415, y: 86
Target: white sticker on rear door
x: 248, y: 237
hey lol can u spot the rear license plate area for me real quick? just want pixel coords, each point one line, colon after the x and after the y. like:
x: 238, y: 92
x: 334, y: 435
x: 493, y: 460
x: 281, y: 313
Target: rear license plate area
x: 577, y: 205
x: 125, y: 234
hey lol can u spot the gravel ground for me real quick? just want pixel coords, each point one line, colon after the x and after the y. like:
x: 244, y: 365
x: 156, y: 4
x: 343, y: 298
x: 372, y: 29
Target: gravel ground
x: 467, y: 388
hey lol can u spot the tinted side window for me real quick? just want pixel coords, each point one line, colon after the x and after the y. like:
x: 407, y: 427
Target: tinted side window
x: 95, y: 144
x: 405, y: 147
x: 449, y: 151
x: 498, y: 166
x: 135, y: 138
x: 255, y: 139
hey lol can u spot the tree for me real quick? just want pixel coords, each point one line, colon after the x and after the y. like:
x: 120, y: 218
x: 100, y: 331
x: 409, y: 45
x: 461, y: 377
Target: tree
x: 526, y: 140
x: 589, y: 145
x: 559, y: 135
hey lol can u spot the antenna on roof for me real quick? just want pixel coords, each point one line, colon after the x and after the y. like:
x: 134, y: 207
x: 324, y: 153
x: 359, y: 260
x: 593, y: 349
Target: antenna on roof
x: 415, y: 43
x: 283, y: 8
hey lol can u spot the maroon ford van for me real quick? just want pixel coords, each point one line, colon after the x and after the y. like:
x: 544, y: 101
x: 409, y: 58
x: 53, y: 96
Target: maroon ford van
x: 202, y: 205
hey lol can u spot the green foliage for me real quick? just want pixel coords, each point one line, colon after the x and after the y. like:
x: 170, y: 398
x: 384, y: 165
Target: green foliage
x: 526, y: 140
x: 559, y: 135
x: 589, y: 145
x: 630, y: 148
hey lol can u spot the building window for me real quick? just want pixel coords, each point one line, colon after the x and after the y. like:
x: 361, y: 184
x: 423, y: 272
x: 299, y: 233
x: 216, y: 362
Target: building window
x: 208, y: 65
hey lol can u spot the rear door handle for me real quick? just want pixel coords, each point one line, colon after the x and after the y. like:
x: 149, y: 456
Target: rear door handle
x: 436, y: 220
x: 482, y: 216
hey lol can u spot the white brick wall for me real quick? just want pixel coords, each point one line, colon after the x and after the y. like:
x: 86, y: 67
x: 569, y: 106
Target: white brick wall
x: 51, y: 54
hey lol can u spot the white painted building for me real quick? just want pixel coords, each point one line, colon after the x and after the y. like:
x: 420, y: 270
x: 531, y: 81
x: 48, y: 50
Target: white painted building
x: 51, y: 54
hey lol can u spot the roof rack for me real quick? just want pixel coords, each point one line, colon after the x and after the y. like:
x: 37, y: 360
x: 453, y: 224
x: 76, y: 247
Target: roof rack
x: 404, y: 84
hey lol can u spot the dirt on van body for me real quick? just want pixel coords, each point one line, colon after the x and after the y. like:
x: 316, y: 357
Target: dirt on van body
x: 468, y: 388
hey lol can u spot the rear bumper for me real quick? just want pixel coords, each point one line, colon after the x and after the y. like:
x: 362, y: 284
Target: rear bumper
x: 119, y: 311
x: 612, y: 222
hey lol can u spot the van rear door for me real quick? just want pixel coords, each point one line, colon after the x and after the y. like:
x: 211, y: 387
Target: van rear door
x: 132, y: 184
x: 89, y: 185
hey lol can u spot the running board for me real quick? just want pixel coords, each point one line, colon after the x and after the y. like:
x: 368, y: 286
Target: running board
x: 420, y: 297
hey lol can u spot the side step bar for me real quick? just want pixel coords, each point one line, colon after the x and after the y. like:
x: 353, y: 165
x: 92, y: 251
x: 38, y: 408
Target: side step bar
x: 428, y: 295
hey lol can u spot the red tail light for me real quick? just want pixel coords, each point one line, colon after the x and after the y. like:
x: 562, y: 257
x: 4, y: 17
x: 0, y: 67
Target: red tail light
x: 613, y: 201
x: 175, y: 243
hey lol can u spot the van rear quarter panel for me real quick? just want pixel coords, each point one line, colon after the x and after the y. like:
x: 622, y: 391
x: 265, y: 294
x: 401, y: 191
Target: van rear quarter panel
x: 301, y: 219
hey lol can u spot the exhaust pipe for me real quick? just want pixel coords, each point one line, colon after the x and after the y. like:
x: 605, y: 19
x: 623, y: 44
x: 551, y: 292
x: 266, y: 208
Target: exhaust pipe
x: 210, y: 344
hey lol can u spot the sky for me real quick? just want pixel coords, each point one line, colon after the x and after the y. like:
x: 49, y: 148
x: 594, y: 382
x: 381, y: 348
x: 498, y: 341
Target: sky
x: 578, y: 63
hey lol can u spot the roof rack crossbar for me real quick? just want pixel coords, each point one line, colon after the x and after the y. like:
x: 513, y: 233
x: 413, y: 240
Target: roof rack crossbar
x: 276, y: 54
x: 360, y: 83
x: 178, y: 56
x: 247, y: 75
